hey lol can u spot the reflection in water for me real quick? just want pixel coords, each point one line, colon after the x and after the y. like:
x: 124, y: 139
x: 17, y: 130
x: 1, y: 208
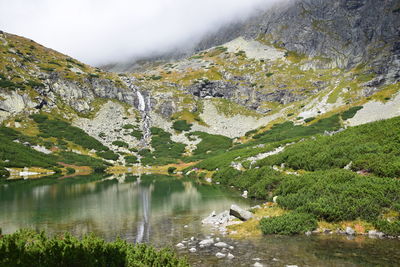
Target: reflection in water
x: 155, y: 209
x: 143, y: 232
x: 137, y: 208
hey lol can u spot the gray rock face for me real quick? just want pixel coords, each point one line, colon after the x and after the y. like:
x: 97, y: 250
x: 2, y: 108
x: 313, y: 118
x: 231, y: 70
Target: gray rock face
x: 346, y: 31
x: 240, y: 213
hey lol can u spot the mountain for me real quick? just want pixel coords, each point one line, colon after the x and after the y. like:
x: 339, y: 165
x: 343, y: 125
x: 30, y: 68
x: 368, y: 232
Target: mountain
x: 301, y: 62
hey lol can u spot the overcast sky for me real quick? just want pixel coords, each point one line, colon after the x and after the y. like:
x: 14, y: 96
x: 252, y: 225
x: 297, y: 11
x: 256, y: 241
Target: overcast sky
x: 103, y: 31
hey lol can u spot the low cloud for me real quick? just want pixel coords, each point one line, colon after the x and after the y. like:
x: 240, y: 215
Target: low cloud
x: 103, y: 31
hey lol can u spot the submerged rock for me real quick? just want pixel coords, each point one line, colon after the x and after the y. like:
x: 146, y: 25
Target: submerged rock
x: 240, y: 213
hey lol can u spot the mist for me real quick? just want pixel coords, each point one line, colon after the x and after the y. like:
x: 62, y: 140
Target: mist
x: 104, y: 31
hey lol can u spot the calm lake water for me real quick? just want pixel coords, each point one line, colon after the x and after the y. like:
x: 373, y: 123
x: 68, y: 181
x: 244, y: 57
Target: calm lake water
x: 164, y: 211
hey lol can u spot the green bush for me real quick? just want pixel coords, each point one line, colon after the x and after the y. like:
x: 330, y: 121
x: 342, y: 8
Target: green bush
x: 371, y: 147
x: 18, y: 155
x: 348, y: 114
x: 120, y: 144
x: 309, y: 119
x: 70, y: 170
x: 171, y: 170
x: 4, y: 173
x: 288, y: 224
x: 131, y: 159
x: 338, y: 195
x: 137, y: 134
x: 389, y: 228
x: 288, y: 130
x: 80, y: 160
x: 109, y: 155
x: 260, y: 183
x: 181, y: 126
x: 210, y: 143
x: 165, y: 150
x: 64, y: 130
x: 28, y: 248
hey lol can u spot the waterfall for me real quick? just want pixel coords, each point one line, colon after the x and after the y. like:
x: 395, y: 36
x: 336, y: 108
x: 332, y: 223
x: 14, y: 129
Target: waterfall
x: 144, y: 107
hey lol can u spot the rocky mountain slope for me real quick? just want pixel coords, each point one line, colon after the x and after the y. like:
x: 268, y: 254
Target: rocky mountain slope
x: 303, y: 62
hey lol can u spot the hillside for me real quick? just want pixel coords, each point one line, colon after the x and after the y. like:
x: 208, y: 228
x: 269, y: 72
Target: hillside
x: 277, y: 106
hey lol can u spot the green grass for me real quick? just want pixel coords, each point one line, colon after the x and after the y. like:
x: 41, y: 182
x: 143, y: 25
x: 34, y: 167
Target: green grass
x: 28, y: 248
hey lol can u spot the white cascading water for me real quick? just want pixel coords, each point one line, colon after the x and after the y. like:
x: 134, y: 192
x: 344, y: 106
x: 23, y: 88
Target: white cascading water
x: 144, y: 108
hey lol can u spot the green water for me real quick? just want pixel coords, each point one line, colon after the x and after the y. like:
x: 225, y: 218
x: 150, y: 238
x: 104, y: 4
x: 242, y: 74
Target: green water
x: 164, y: 211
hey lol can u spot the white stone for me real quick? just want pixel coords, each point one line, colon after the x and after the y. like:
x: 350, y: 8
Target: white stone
x: 192, y: 250
x: 221, y: 245
x: 220, y: 255
x: 230, y: 256
x: 180, y: 245
x: 207, y: 242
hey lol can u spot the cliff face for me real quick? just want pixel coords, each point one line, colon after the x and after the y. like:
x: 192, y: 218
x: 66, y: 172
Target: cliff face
x: 348, y: 32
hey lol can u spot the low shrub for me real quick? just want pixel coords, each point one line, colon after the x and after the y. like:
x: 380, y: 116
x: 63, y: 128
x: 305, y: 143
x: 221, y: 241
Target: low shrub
x: 120, y: 144
x: 288, y: 224
x: 28, y: 248
x: 171, y: 170
x: 389, y: 228
x: 181, y: 126
x: 131, y: 159
x: 4, y: 173
x: 338, y: 195
x: 109, y: 155
x: 348, y: 114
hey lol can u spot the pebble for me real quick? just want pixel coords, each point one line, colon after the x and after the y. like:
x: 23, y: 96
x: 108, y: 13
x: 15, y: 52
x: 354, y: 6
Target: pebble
x: 231, y: 247
x: 193, y: 250
x: 257, y: 264
x: 186, y: 226
x: 220, y: 255
x: 206, y: 242
x: 192, y: 238
x: 221, y: 245
x: 180, y: 245
x: 230, y: 256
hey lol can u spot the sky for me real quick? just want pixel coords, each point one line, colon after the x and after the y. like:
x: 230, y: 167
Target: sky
x: 105, y: 31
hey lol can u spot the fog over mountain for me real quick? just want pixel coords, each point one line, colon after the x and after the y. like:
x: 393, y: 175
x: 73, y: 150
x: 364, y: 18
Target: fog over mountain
x: 103, y: 31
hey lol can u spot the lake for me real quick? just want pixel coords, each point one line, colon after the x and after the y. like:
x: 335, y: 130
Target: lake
x: 165, y: 210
